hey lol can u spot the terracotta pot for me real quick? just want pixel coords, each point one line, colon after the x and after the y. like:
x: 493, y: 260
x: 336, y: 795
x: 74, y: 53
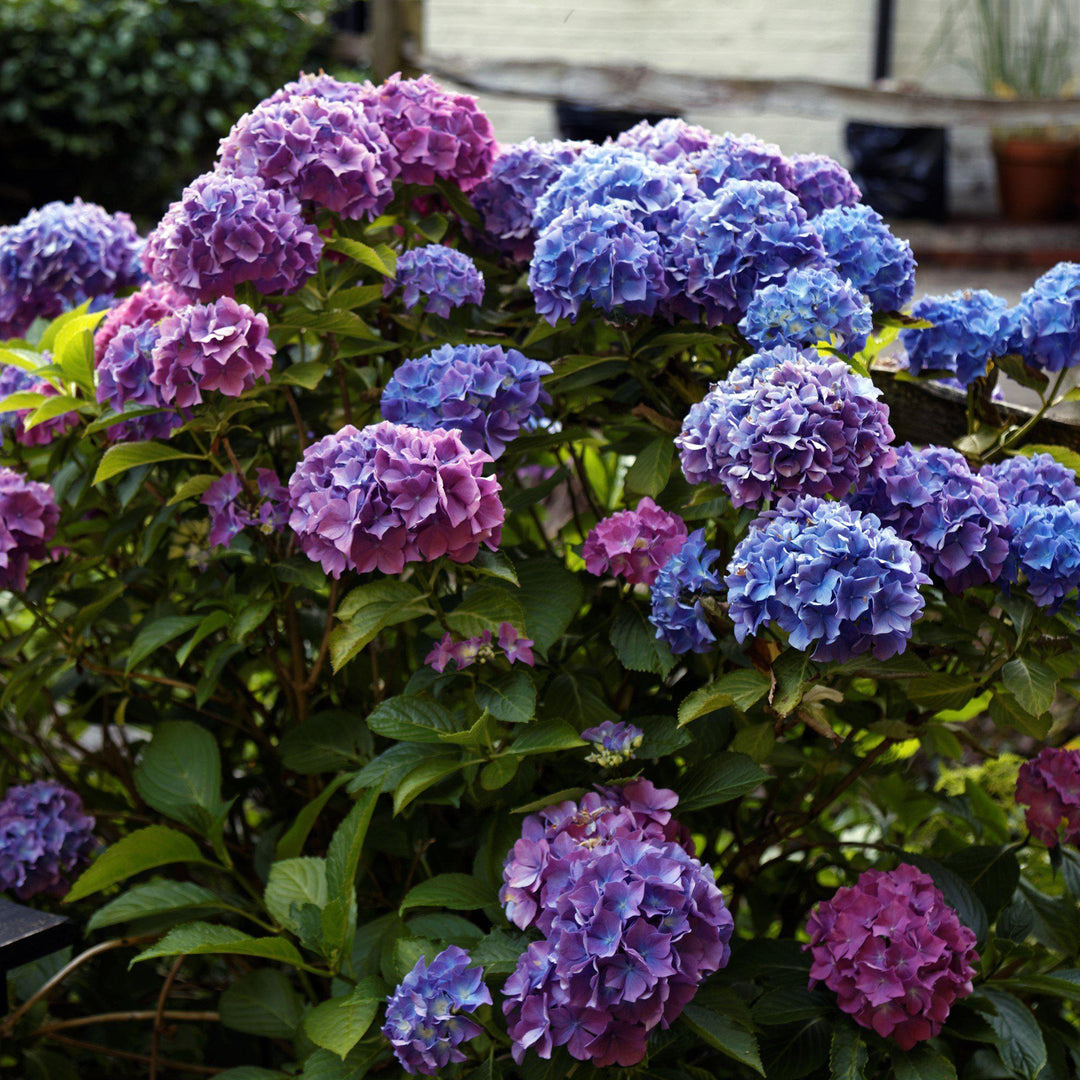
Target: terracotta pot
x: 1036, y: 178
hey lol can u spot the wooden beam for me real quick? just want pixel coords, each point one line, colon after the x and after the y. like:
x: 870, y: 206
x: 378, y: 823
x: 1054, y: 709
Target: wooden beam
x: 387, y: 38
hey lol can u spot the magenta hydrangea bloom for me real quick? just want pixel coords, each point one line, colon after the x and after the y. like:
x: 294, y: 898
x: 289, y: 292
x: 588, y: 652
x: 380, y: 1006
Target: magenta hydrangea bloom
x: 820, y: 183
x: 220, y: 346
x: 442, y: 276
x: 324, y: 152
x: 895, y: 954
x: 614, y: 743
x: 390, y: 495
x: 15, y: 380
x: 44, y: 837
x: 667, y: 140
x: 28, y: 519
x: 738, y: 157
x: 465, y: 652
x: 124, y: 380
x: 225, y: 230
x: 634, y: 544
x: 150, y: 304
x: 1049, y: 786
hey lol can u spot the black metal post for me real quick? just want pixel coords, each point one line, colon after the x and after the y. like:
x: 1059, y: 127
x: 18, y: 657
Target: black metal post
x: 883, y: 39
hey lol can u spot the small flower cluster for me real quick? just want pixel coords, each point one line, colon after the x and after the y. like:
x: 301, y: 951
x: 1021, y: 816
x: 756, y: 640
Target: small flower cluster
x: 634, y: 544
x: 229, y: 517
x: 1048, y: 319
x: 894, y: 952
x: 820, y: 183
x: 150, y: 304
x: 125, y: 379
x: 1038, y: 479
x: 739, y: 157
x: 1049, y: 786
x: 388, y: 495
x: 465, y: 652
x: 15, y: 380
x: 28, y: 519
x: 44, y: 836
x: 679, y: 594
x: 615, y: 743
x: 426, y: 1019
x: 445, y: 277
x: 666, y: 141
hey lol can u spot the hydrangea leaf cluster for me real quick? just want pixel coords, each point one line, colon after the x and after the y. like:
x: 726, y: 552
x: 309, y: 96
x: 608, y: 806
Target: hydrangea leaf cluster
x: 486, y: 392
x: 125, y: 380
x: 834, y: 580
x: 739, y: 157
x: 615, y: 743
x: 15, y: 380
x: 427, y: 1014
x: 1049, y: 787
x: 678, y: 596
x: 634, y: 544
x: 388, y: 495
x: 44, y: 836
x: 443, y: 276
x: 1048, y: 319
x: 820, y: 183
x: 668, y: 140
x: 895, y: 954
x: 464, y: 652
x: 149, y: 304
x: 28, y: 520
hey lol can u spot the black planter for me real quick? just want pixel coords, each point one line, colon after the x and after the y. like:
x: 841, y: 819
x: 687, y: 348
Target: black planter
x: 590, y: 122
x: 901, y: 170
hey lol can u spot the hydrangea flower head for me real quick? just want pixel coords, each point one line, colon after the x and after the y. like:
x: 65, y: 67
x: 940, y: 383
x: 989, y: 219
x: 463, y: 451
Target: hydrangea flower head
x: 954, y: 518
x: 634, y: 544
x: 124, y: 380
x: 812, y: 304
x: 321, y: 85
x: 677, y: 610
x: 667, y: 140
x: 220, y: 346
x: 225, y: 230
x: 834, y: 580
x: 615, y: 743
x: 44, y: 836
x: 896, y: 955
x: 820, y: 183
x: 865, y: 251
x: 15, y: 380
x: 390, y: 494
x: 228, y: 518
x: 1038, y: 478
x: 738, y: 157
x: 465, y: 652
x: 1049, y: 786
x: 1044, y: 549
x: 150, y: 304
x: 725, y: 248
x: 484, y: 391
x: 427, y: 1014
x: 445, y: 277
x: 806, y: 425
x: 61, y: 255
x: 599, y: 255
x: 1049, y: 319
x: 28, y: 519
x: 970, y: 328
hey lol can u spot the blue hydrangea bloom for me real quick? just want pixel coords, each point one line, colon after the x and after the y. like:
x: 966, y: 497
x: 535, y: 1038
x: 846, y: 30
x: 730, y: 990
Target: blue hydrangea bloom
x: 970, y: 328
x: 600, y: 255
x: 865, y: 251
x: 488, y: 393
x: 820, y: 183
x: 834, y: 580
x: 1045, y: 550
x: 667, y: 140
x: 1049, y: 319
x: 812, y: 304
x: 677, y: 611
x: 425, y: 1021
x: 724, y: 249
x: 954, y: 517
x: 445, y: 277
x: 1036, y: 479
x: 739, y: 157
x: 123, y: 382
x: 614, y: 743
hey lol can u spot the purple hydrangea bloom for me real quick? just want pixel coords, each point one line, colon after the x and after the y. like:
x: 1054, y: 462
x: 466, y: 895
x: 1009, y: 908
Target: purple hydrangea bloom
x: 1049, y: 319
x: 865, y: 251
x: 28, y: 519
x: 15, y: 380
x: 634, y: 544
x: 615, y: 743
x: 820, y: 183
x: 274, y: 510
x: 506, y: 199
x: 685, y: 581
x: 1049, y: 786
x: 970, y: 328
x: 596, y: 254
x: 895, y: 954
x: 485, y: 392
x: 954, y: 517
x: 44, y: 836
x: 806, y: 425
x: 390, y: 495
x: 834, y: 580
x: 225, y: 230
x: 724, y: 249
x: 738, y: 157
x: 150, y: 304
x: 227, y: 518
x: 321, y: 85
x: 445, y: 277
x: 1035, y: 479
x: 1045, y: 549
x: 220, y: 346
x: 667, y: 140
x: 61, y: 255
x: 425, y: 1015
x: 468, y: 651
x: 811, y: 305
x: 124, y: 379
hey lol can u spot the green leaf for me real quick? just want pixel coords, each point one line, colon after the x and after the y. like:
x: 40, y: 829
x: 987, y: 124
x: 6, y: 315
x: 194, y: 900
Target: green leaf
x: 156, y: 898
x: 327, y: 742
x: 498, y: 951
x: 785, y: 1005
x: 252, y: 614
x: 509, y: 697
x: 1031, y: 683
x: 941, y: 691
x: 308, y: 374
x: 262, y: 1002
x: 370, y: 609
x: 118, y: 459
x: 425, y: 775
x: 739, y: 688
x: 391, y: 766
x: 1017, y: 1036
x: 755, y: 740
x: 153, y: 633
x: 720, y: 779
x: 292, y: 841
x: 144, y: 849
x: 486, y: 607
x: 211, y: 624
x: 1068, y: 989
x: 410, y: 718
x: 550, y: 596
x: 24, y: 359
x: 206, y: 939
x: 724, y: 1034
x: 456, y: 892
x: 1062, y: 454
x: 324, y: 1065
x: 342, y: 863
x: 636, y: 643
x: 498, y: 773
x: 993, y: 873
x: 789, y: 672
x: 495, y: 564
x: 546, y: 738
x: 343, y: 323
x: 192, y: 488
x: 922, y: 1063
x: 652, y: 467
x: 377, y: 260
x: 1006, y: 711
x: 292, y: 884
x: 339, y: 1024
x: 848, y: 1055
x: 73, y: 349
x: 52, y: 407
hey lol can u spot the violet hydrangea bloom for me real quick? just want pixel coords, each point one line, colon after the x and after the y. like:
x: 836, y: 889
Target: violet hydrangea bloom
x: 44, y: 837
x: 150, y: 304
x: 61, y: 255
x: 222, y: 346
x: 273, y: 513
x: 1049, y: 786
x: 834, y: 580
x: 225, y: 230
x: 954, y: 517
x: 1035, y: 479
x: 806, y: 425
x: 388, y: 495
x: 445, y: 277
x: 812, y: 304
x: 667, y: 140
x: 600, y: 255
x: 738, y: 157
x: 228, y: 518
x: 896, y: 955
x: 15, y: 380
x: 124, y: 380
x: 426, y: 1015
x: 484, y: 391
x: 726, y: 248
x: 634, y: 544
x: 865, y: 251
x: 820, y: 183
x: 684, y: 582
x: 28, y: 519
x: 1049, y: 319
x: 614, y: 743
x: 465, y: 652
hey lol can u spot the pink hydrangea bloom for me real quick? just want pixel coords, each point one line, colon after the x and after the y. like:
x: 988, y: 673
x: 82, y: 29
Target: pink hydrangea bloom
x: 1049, y: 786
x: 28, y: 519
x: 468, y: 651
x: 150, y: 304
x: 634, y: 544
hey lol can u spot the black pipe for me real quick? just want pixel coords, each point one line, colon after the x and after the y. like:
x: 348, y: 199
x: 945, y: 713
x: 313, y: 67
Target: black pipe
x: 883, y: 39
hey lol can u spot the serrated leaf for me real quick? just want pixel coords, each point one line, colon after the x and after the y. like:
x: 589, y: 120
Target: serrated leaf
x: 720, y: 779
x: 498, y: 773
x: 1005, y: 710
x: 848, y: 1055
x: 922, y: 1063
x: 498, y: 951
x: 486, y: 607
x: 292, y: 884
x: 207, y: 939
x: 368, y: 610
x: 52, y: 407
x: 156, y: 898
x: 546, y: 738
x: 307, y: 373
x: 550, y: 596
x: 724, y: 1034
x: 339, y: 1024
x: 368, y: 256
x: 509, y: 697
x: 1032, y: 684
x: 153, y: 633
x: 425, y: 775
x: 455, y: 892
x: 636, y: 643
x: 1017, y: 1036
x: 118, y: 459
x: 741, y: 688
x: 292, y: 840
x: 73, y: 349
x: 414, y: 718
x: 262, y: 1002
x: 495, y: 564
x: 789, y: 676
x: 652, y: 467
x: 327, y: 742
x: 192, y: 488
